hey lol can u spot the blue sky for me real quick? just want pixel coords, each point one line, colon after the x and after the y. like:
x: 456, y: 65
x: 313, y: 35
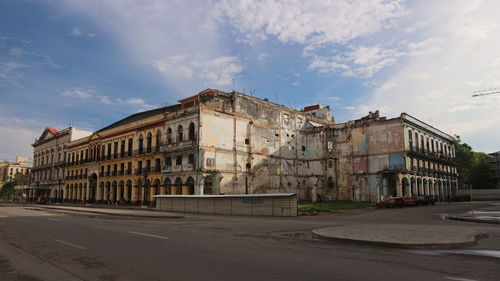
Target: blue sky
x: 95, y: 62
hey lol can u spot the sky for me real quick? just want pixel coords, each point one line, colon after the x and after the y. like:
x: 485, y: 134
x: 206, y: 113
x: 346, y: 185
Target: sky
x: 90, y: 63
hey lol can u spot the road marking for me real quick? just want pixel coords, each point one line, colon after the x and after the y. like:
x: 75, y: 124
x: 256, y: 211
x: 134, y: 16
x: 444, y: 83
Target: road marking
x: 70, y: 244
x: 458, y: 279
x: 150, y: 235
x: 2, y: 223
x: 3, y: 216
x: 57, y: 220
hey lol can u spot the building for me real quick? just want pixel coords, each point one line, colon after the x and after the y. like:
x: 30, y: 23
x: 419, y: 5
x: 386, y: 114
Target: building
x: 495, y: 167
x: 8, y: 170
x: 232, y: 143
x: 120, y: 163
x: 49, y: 160
x: 374, y: 157
x: 218, y: 143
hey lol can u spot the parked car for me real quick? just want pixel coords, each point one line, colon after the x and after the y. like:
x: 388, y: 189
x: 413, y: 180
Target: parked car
x: 410, y: 201
x: 391, y: 202
x: 430, y: 199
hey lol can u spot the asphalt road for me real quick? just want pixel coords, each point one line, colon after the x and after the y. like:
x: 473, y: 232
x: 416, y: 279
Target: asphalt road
x: 39, y: 245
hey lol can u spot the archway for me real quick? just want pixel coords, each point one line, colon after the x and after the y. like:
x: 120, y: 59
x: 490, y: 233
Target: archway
x: 190, y: 185
x: 405, y: 187
x: 167, y: 187
x: 136, y: 195
x: 100, y: 193
x: 113, y: 192
x: 425, y: 185
x: 92, y: 187
x: 107, y: 193
x: 419, y: 186
x: 128, y: 196
x: 178, y: 186
x: 121, y: 192
x: 208, y: 185
x: 147, y: 193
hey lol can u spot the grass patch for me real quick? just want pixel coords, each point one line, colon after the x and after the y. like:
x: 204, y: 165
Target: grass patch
x: 332, y: 206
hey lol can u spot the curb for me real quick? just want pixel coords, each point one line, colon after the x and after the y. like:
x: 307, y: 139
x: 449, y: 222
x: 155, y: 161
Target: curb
x: 473, y: 219
x: 402, y: 245
x: 61, y: 210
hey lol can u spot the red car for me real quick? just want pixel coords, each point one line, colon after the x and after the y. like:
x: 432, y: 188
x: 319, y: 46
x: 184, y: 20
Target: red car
x: 391, y: 202
x: 410, y: 201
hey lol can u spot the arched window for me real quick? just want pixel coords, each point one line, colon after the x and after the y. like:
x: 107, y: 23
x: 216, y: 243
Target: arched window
x: 410, y: 139
x: 191, y: 131
x: 141, y: 145
x: 180, y: 133
x: 169, y: 135
x: 149, y: 142
x: 158, y: 141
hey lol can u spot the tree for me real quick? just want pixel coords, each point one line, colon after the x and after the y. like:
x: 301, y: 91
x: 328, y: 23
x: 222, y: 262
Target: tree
x: 472, y: 167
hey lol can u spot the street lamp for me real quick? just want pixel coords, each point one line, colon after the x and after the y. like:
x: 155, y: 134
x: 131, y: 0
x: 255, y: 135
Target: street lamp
x: 58, y: 194
x: 145, y: 174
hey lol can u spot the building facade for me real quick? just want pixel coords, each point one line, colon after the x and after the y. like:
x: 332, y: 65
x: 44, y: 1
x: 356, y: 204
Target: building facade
x: 119, y: 164
x: 49, y: 161
x: 217, y: 143
x: 374, y: 158
x: 22, y: 167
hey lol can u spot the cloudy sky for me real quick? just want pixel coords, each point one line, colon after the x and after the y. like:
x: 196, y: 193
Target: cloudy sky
x: 94, y: 62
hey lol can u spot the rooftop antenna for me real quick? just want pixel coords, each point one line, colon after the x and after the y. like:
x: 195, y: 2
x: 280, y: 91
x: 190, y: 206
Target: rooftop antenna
x: 233, y: 82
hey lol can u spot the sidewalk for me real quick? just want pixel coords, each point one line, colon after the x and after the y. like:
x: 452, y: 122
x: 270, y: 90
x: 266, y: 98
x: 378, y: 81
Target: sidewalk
x: 477, y: 216
x: 402, y: 236
x: 148, y: 213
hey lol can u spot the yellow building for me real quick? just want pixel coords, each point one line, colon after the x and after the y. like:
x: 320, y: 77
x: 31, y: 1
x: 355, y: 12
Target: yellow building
x: 119, y: 164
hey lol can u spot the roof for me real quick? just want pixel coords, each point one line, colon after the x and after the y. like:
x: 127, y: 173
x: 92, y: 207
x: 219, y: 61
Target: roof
x: 141, y: 115
x: 52, y: 130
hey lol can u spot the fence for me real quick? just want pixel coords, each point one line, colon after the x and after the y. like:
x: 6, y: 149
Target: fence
x: 479, y: 194
x: 276, y: 204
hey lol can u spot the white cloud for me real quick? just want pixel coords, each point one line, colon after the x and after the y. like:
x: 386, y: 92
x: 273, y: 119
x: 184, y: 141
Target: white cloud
x: 218, y: 71
x: 360, y: 61
x: 105, y: 100
x: 78, y: 93
x: 457, y: 54
x: 79, y: 31
x: 313, y: 23
x: 349, y: 107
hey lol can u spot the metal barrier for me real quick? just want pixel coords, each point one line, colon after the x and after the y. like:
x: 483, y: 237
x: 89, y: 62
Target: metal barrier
x: 276, y: 204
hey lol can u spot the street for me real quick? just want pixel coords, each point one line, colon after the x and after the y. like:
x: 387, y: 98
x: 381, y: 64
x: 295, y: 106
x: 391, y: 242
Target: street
x: 40, y: 245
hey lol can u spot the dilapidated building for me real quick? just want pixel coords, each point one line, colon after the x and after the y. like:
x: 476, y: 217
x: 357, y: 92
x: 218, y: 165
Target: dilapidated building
x: 238, y: 144
x: 374, y: 157
x: 216, y: 143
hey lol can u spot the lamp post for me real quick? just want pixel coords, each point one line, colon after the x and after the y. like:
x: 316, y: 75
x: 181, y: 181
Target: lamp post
x: 58, y: 194
x: 145, y: 174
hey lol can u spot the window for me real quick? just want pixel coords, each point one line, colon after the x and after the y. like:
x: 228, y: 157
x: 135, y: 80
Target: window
x: 130, y: 146
x: 191, y: 131
x: 178, y: 160
x: 210, y: 162
x: 122, y: 148
x: 249, y: 166
x: 180, y: 133
x: 247, y: 141
x: 115, y: 150
x: 148, y: 165
x: 169, y: 136
x: 141, y: 144
x: 330, y: 164
x: 191, y: 159
x: 158, y: 141
x: 168, y: 161
x: 109, y: 151
x: 149, y: 143
x: 157, y: 165
x: 303, y: 148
